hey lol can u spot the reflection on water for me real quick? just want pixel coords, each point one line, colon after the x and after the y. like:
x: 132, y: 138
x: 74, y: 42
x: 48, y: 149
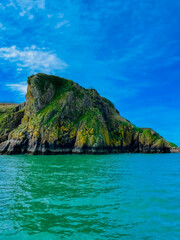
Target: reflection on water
x: 123, y: 196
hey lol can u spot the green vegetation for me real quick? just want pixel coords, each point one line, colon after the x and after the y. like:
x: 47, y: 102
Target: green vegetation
x: 10, y: 118
x: 61, y: 114
x: 173, y: 145
x: 43, y: 81
x: 136, y: 129
x: 148, y: 137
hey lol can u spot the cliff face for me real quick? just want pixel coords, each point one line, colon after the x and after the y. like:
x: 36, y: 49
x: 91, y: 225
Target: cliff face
x: 59, y: 116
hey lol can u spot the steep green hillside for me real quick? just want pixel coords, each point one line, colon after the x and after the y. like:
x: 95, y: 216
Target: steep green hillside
x: 61, y: 117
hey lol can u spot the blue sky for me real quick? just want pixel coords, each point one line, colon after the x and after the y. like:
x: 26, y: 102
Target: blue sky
x: 129, y: 50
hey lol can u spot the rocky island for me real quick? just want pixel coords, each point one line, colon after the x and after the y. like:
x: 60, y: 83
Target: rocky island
x: 59, y: 116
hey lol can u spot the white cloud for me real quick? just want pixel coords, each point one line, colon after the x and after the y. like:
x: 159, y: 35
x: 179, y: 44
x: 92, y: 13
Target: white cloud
x: 2, y: 26
x: 26, y: 6
x: 33, y: 58
x: 18, y: 87
x: 29, y: 4
x: 63, y: 23
x: 31, y: 16
x: 11, y: 4
x: 2, y: 6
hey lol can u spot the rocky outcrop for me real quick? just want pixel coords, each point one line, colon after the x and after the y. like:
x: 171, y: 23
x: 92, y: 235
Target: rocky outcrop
x: 10, y: 119
x: 60, y: 116
x: 175, y: 150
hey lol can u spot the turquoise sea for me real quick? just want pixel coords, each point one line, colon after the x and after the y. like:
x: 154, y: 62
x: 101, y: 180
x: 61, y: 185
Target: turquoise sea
x: 120, y: 196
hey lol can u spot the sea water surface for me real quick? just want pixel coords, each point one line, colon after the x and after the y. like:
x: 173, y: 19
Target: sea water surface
x: 120, y: 196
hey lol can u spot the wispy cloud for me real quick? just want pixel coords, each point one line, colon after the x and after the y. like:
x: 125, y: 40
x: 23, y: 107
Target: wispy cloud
x: 19, y: 87
x: 1, y: 6
x: 63, y: 23
x: 2, y: 26
x: 25, y: 7
x: 60, y: 15
x: 33, y: 59
x: 28, y: 4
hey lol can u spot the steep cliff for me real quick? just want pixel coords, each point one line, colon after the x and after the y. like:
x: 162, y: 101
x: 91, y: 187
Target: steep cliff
x: 59, y: 116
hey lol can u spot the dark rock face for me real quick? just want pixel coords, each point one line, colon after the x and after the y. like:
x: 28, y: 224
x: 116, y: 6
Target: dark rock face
x: 59, y: 117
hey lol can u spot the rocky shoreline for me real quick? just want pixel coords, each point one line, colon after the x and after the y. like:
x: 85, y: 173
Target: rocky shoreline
x: 175, y: 150
x: 12, y: 148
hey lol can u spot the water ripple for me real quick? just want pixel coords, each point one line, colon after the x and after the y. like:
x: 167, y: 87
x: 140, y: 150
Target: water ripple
x: 123, y: 196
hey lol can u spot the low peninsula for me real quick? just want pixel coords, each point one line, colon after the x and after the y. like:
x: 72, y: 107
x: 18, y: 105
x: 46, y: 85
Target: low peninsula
x: 59, y: 117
